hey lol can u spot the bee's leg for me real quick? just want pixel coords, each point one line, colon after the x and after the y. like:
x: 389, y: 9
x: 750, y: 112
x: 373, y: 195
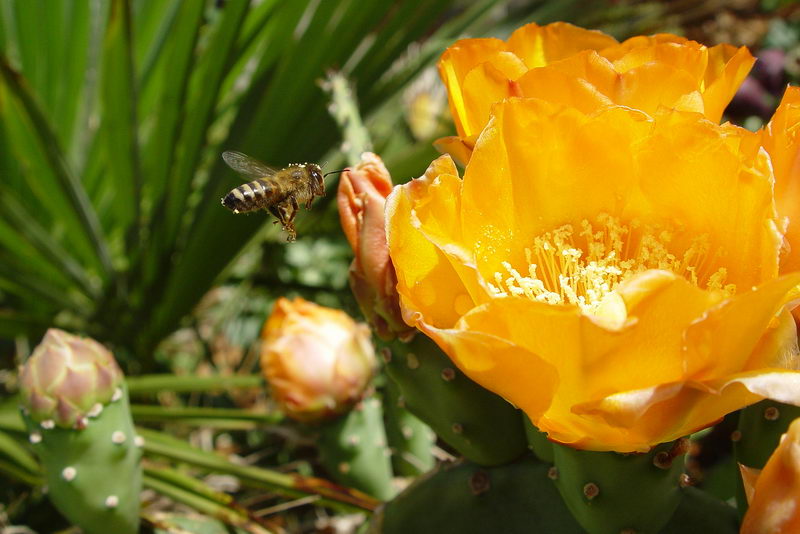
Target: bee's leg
x: 309, y: 201
x: 285, y: 212
x: 277, y: 214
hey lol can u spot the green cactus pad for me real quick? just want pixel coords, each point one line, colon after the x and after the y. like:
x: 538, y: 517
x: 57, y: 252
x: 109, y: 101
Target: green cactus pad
x: 93, y: 474
x: 410, y: 440
x: 353, y: 449
x: 480, y: 425
x: 761, y: 426
x: 469, y: 499
x: 700, y: 513
x: 610, y: 493
x: 538, y: 443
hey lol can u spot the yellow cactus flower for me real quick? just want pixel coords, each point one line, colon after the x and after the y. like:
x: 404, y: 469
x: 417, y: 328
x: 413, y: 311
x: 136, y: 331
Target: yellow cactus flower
x: 614, y: 274
x: 318, y: 361
x: 586, y: 70
x: 775, y: 500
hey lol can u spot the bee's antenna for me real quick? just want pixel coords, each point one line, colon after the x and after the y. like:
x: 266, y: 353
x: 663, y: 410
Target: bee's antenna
x: 333, y: 172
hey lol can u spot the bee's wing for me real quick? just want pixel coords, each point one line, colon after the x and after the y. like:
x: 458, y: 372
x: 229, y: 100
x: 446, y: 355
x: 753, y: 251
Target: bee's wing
x: 247, y: 166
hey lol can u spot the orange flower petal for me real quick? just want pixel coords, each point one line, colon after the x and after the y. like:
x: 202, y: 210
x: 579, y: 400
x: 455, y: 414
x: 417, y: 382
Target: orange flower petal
x: 749, y: 478
x: 728, y: 66
x: 458, y: 148
x: 588, y: 81
x: 479, y: 72
x: 725, y: 339
x: 775, y: 506
x: 417, y: 259
x: 454, y: 65
x: 781, y: 139
x: 538, y: 46
x: 719, y: 70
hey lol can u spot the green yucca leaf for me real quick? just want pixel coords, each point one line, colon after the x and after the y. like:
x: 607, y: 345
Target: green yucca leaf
x: 48, y: 143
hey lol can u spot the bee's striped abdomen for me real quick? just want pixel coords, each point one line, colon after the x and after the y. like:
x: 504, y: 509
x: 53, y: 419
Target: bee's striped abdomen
x: 251, y: 196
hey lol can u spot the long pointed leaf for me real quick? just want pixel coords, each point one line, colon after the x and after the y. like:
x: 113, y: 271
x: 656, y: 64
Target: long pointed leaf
x: 55, y: 158
x: 44, y: 242
x: 119, y: 129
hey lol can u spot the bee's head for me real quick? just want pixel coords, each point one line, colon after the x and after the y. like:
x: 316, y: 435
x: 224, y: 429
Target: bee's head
x: 317, y: 183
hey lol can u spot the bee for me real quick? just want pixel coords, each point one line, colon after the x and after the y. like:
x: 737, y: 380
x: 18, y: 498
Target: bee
x: 280, y: 192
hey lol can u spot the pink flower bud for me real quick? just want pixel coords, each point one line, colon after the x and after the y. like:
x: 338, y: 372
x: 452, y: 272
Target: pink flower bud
x: 361, y: 199
x: 66, y: 376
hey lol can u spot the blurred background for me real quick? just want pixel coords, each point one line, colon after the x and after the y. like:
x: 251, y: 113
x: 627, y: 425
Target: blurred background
x: 113, y: 116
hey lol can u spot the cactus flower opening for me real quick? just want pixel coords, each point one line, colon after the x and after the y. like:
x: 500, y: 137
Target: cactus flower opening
x: 619, y: 284
x: 318, y: 361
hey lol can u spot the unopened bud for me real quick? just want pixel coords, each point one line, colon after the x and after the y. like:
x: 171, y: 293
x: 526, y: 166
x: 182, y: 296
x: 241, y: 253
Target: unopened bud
x: 68, y: 379
x: 318, y: 361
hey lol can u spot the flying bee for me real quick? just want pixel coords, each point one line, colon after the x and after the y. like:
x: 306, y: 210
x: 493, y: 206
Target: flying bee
x: 280, y: 192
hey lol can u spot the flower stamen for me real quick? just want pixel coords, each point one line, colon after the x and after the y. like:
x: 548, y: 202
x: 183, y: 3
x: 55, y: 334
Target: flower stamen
x: 584, y: 267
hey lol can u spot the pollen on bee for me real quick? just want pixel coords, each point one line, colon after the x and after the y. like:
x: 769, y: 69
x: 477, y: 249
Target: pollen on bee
x: 584, y: 267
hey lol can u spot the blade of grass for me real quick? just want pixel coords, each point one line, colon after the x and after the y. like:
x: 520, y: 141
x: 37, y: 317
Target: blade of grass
x: 13, y: 471
x: 18, y: 454
x: 263, y: 110
x: 292, y: 485
x: 226, y: 513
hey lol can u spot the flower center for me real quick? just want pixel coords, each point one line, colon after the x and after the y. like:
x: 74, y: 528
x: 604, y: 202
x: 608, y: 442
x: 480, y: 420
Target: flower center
x: 584, y: 268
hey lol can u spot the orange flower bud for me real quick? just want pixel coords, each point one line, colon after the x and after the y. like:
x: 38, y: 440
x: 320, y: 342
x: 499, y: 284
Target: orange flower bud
x: 775, y: 504
x: 317, y: 360
x: 361, y: 199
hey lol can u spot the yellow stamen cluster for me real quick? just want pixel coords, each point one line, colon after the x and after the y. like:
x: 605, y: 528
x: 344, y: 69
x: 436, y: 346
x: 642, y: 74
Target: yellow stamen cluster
x: 584, y: 269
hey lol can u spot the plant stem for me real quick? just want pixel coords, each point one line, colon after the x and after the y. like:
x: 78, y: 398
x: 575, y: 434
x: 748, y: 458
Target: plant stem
x: 344, y: 109
x: 216, y: 417
x: 144, y: 384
